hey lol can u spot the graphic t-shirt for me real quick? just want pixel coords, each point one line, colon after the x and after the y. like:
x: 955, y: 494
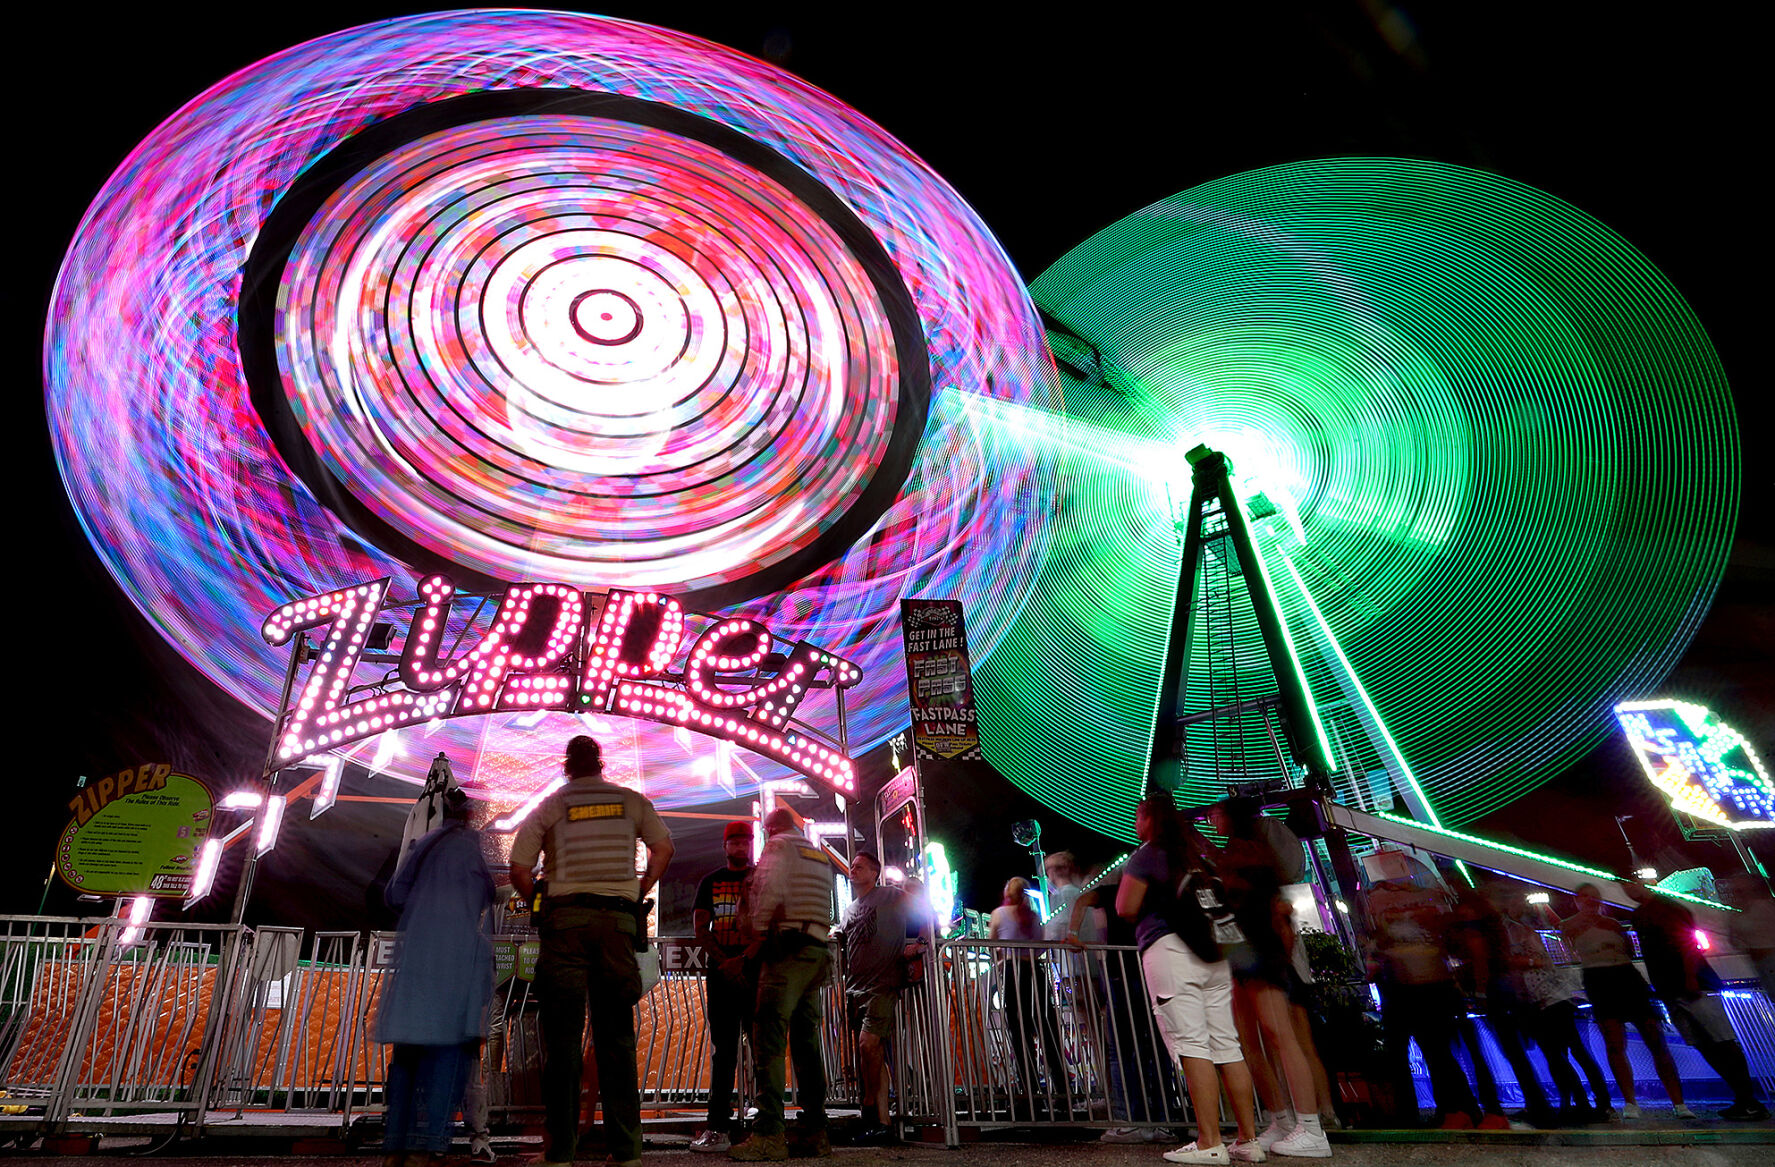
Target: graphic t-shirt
x: 874, y: 936
x: 719, y: 895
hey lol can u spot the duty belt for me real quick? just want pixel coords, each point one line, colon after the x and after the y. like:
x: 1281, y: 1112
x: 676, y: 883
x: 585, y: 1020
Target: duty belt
x: 586, y: 899
x: 808, y: 927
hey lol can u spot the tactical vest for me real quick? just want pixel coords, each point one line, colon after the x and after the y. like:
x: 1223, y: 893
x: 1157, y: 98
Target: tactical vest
x: 808, y: 897
x: 593, y: 841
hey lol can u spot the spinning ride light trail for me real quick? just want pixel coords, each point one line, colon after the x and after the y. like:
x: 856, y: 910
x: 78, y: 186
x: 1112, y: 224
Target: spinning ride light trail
x: 1489, y: 442
x: 510, y: 286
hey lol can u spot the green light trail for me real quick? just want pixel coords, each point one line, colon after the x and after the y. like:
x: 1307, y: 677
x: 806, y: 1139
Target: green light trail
x: 1498, y: 443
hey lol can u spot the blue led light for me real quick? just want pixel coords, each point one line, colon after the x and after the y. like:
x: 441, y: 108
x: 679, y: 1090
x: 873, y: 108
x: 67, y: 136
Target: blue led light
x: 1705, y: 767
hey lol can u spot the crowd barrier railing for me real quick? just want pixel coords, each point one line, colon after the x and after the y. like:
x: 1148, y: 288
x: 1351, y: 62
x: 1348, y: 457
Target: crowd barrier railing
x: 101, y: 1018
x: 1029, y: 1033
x: 191, y: 1020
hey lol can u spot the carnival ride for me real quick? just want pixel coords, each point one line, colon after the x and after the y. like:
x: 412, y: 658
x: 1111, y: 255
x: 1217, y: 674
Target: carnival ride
x: 512, y: 296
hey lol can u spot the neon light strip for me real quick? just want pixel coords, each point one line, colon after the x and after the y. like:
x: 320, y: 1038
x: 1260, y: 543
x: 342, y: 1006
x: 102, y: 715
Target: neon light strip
x: 1085, y: 887
x: 1326, y: 758
x: 205, y: 878
x: 139, y: 910
x: 332, y: 771
x: 1367, y: 702
x: 1567, y: 864
x: 510, y: 822
x: 270, y: 822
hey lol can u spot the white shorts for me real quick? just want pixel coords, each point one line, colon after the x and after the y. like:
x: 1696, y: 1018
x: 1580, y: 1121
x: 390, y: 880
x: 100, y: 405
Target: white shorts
x: 1192, y: 1001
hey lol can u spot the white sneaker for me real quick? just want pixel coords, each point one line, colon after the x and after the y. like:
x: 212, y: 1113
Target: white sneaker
x: 1123, y: 1134
x: 1630, y: 1110
x: 711, y: 1142
x: 1280, y: 1128
x: 1194, y: 1153
x: 1247, y: 1151
x: 1681, y: 1111
x: 1305, y: 1141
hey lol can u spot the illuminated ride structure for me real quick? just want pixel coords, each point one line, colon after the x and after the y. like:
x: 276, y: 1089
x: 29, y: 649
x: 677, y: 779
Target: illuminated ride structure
x: 463, y: 299
x: 497, y: 296
x: 1445, y: 402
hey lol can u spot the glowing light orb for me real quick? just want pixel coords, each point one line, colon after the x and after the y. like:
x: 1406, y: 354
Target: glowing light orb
x: 522, y: 295
x: 1490, y: 454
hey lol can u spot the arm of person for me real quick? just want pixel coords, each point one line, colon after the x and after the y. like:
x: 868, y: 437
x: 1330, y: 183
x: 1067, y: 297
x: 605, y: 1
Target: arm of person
x: 1691, y: 952
x: 702, y: 911
x: 992, y: 926
x: 658, y: 859
x: 766, y: 891
x: 401, y: 886
x: 658, y: 839
x: 527, y: 848
x: 523, y: 880
x: 1075, y: 919
x: 1130, y: 894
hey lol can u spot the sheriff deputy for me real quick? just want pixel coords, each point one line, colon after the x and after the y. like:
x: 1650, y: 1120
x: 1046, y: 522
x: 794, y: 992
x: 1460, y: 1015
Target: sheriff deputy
x: 791, y: 918
x: 591, y: 924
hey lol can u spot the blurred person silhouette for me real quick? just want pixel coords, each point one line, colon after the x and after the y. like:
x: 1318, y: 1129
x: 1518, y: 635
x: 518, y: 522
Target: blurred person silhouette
x: 716, y: 916
x: 1689, y: 988
x: 1125, y: 1025
x: 1408, y: 962
x: 1618, y: 997
x: 434, y: 1008
x: 791, y: 923
x: 1752, y: 930
x: 876, y: 949
x: 1028, y: 1007
x: 1170, y: 892
x: 1549, y: 990
x: 1492, y: 985
x: 1252, y: 866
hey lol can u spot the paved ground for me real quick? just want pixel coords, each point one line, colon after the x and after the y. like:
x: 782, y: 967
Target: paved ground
x: 1006, y: 1152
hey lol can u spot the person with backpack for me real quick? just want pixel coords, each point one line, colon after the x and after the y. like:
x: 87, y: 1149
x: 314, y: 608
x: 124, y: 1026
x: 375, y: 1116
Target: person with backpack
x: 1168, y: 890
x: 1255, y: 863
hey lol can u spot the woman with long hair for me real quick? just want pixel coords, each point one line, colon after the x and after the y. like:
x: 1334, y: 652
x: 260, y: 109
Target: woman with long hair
x: 1169, y: 891
x: 1029, y: 1013
x: 1618, y: 996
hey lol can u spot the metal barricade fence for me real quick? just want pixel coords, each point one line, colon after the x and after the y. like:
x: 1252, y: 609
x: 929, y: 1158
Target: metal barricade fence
x: 1030, y: 1033
x: 97, y: 1026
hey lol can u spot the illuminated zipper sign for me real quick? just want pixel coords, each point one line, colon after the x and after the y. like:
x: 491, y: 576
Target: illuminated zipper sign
x: 1704, y: 766
x: 542, y: 652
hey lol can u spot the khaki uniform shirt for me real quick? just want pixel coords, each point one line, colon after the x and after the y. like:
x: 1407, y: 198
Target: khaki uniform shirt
x: 586, y: 834
x: 792, y: 887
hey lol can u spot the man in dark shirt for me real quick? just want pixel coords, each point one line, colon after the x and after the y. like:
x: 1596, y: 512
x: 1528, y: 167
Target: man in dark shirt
x: 1689, y: 988
x: 719, y: 919
x: 875, y: 950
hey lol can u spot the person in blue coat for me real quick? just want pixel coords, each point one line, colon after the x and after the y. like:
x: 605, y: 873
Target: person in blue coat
x: 434, y: 1007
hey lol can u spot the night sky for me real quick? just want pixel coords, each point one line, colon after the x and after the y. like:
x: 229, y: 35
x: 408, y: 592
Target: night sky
x: 1052, y: 128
